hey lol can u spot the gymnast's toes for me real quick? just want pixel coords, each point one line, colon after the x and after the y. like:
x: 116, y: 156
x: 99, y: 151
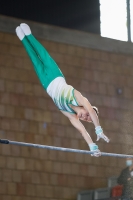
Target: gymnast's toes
x: 25, y: 28
x: 19, y: 33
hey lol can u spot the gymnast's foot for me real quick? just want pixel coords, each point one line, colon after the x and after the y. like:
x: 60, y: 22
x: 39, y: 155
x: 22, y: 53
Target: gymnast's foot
x: 20, y: 33
x: 25, y: 28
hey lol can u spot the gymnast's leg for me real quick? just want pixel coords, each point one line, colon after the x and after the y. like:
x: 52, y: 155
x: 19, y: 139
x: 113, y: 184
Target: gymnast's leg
x: 51, y: 67
x: 37, y: 63
x: 40, y: 50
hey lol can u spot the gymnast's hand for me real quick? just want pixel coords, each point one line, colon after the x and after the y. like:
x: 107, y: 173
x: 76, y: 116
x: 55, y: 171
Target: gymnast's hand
x: 100, y: 134
x: 104, y: 137
x: 94, y: 148
x: 96, y: 153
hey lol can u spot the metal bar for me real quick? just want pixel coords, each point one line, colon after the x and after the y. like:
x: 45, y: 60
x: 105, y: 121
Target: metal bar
x: 4, y: 141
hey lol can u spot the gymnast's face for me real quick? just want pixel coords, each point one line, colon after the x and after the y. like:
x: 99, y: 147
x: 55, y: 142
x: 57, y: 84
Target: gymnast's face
x: 83, y: 115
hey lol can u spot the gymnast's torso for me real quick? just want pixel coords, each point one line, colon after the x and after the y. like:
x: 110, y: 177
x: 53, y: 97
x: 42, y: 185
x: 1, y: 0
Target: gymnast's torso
x: 62, y: 94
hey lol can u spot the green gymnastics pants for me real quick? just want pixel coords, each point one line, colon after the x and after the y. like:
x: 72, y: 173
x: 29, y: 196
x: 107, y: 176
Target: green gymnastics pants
x: 45, y: 67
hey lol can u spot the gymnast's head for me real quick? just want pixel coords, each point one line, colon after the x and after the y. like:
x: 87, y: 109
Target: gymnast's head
x: 84, y: 115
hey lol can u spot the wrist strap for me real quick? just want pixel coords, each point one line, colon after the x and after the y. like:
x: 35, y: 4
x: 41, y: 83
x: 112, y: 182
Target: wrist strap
x: 98, y: 130
x: 93, y: 147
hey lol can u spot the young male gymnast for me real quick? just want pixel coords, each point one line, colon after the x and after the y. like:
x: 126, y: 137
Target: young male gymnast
x: 68, y: 100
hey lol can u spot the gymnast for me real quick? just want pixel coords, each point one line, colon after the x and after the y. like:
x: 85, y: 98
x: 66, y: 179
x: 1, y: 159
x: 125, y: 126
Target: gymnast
x: 68, y: 100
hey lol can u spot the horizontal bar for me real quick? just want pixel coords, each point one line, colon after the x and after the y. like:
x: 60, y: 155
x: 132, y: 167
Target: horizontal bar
x: 4, y: 141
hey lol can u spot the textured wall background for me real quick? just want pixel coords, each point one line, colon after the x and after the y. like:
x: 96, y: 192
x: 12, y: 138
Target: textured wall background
x: 28, y: 114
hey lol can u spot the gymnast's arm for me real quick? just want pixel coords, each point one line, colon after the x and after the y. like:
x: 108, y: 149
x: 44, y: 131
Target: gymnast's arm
x: 82, y: 101
x: 79, y: 126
